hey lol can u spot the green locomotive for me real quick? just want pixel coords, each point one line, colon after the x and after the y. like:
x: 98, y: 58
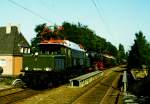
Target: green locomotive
x: 56, y: 61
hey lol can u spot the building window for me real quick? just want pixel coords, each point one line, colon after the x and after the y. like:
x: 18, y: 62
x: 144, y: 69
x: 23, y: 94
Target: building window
x: 21, y: 50
x: 28, y: 50
x: 25, y: 50
x: 2, y: 62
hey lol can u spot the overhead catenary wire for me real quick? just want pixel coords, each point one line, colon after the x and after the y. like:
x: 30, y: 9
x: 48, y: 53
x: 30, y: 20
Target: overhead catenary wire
x: 100, y: 6
x: 28, y: 10
x: 101, y: 16
x: 46, y: 5
x: 98, y: 11
x: 106, y: 26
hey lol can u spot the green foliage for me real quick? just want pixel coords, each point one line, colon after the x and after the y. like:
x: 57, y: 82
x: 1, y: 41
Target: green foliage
x: 7, y: 80
x: 139, y: 54
x: 36, y: 40
x: 121, y: 54
x: 140, y: 87
x: 79, y: 34
x: 45, y: 33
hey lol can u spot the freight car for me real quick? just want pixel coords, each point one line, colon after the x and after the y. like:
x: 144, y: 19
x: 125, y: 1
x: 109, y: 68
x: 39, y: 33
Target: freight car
x: 56, y: 61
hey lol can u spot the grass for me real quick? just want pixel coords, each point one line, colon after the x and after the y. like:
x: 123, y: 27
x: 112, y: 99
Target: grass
x: 6, y: 80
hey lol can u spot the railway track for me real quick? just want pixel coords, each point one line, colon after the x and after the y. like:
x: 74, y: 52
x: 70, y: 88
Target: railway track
x: 101, y: 91
x: 6, y: 91
x: 14, y: 94
x: 104, y: 92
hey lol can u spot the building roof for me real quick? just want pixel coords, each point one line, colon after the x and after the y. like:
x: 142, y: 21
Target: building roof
x: 10, y: 42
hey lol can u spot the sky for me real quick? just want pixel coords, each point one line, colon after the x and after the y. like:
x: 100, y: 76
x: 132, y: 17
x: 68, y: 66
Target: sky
x: 115, y: 20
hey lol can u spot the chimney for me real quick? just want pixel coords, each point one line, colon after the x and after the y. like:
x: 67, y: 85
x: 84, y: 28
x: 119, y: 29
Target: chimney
x: 8, y: 28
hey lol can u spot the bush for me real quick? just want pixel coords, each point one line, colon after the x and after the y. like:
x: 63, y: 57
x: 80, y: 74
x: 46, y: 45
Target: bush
x: 7, y: 80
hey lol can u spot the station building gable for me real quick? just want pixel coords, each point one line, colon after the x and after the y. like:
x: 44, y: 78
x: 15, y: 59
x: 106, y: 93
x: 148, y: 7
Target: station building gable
x: 12, y: 46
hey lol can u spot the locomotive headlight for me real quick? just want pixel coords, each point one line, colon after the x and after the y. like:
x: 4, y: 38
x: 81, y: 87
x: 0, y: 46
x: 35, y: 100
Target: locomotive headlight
x: 36, y: 53
x: 48, y: 69
x: 26, y: 68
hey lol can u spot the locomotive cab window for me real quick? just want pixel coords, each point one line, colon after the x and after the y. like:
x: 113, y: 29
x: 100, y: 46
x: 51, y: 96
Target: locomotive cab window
x: 50, y: 49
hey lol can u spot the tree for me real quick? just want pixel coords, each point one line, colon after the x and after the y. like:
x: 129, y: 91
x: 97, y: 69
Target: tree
x: 139, y: 54
x: 77, y: 33
x: 36, y: 40
x: 45, y: 32
x: 121, y: 54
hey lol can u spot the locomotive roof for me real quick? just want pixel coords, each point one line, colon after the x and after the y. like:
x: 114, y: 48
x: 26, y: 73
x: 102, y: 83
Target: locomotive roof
x: 65, y: 43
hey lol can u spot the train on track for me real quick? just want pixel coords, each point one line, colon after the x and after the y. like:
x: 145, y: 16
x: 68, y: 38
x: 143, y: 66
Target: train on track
x: 56, y: 60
